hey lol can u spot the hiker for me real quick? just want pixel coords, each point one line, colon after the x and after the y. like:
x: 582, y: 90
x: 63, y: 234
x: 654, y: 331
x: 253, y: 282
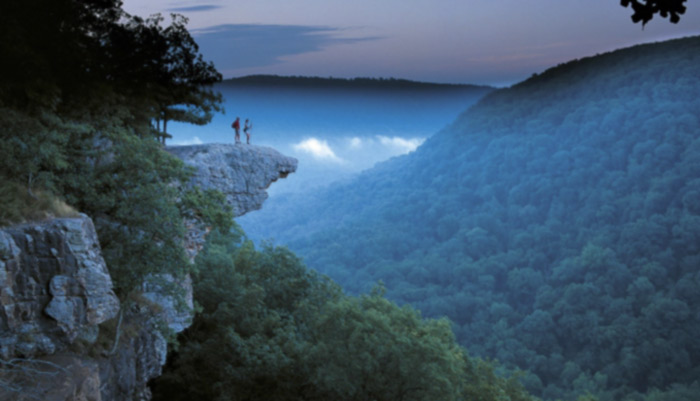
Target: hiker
x: 237, y: 127
x: 246, y: 130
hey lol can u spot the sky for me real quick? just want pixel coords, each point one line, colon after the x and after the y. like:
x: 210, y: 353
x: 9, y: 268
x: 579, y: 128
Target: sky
x: 494, y: 42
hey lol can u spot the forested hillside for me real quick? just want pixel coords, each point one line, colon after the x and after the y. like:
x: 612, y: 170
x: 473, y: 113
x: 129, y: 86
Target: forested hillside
x: 556, y: 223
x: 362, y: 84
x: 271, y: 329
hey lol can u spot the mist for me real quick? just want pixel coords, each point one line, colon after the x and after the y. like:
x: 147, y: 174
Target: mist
x: 334, y: 132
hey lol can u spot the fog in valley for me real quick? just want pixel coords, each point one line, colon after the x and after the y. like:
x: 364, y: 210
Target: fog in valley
x: 334, y: 132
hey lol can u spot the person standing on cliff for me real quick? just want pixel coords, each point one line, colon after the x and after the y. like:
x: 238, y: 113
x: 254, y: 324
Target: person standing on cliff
x: 237, y: 127
x: 246, y: 130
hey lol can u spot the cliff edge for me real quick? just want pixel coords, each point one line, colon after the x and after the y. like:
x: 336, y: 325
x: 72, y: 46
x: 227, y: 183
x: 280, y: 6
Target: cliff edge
x: 242, y: 172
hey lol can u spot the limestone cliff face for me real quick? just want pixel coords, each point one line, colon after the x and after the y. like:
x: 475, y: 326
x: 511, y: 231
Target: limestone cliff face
x: 55, y: 291
x: 241, y: 172
x: 54, y: 286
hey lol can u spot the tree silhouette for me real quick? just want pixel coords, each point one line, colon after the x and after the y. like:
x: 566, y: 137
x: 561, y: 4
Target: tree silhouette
x: 644, y: 10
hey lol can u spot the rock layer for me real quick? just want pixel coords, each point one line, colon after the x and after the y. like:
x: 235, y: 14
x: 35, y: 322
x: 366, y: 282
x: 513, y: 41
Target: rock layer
x: 55, y: 291
x: 54, y: 286
x: 241, y: 172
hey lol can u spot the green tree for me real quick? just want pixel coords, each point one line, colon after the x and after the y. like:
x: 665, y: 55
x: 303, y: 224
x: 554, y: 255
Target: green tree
x: 252, y: 334
x: 368, y: 348
x: 162, y: 64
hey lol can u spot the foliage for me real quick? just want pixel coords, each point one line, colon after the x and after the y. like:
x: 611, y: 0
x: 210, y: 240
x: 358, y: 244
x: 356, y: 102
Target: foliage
x: 209, y: 207
x: 135, y: 210
x: 644, y: 10
x: 32, y: 147
x: 556, y: 223
x: 162, y: 64
x: 19, y: 205
x: 677, y: 392
x: 244, y: 340
x: 368, y: 348
x: 271, y: 329
x: 79, y: 94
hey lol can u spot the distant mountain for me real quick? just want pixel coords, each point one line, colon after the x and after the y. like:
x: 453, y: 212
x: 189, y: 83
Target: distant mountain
x: 556, y: 222
x: 341, y: 83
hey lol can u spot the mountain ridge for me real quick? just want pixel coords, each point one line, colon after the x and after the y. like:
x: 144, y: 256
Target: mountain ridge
x: 551, y: 221
x: 346, y: 83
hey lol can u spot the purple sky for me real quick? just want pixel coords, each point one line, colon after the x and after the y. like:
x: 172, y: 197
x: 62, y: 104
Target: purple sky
x: 497, y: 42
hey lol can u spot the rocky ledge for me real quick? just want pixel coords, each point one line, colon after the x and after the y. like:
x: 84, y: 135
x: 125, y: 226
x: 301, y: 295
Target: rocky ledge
x: 242, y: 172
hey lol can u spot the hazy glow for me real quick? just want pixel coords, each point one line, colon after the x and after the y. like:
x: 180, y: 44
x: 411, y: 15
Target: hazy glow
x: 194, y: 141
x: 401, y: 145
x: 319, y: 149
x: 355, y: 143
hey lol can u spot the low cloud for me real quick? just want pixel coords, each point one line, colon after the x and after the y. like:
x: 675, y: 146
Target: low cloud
x: 319, y: 149
x: 186, y: 142
x: 399, y: 144
x: 355, y: 142
x: 192, y: 9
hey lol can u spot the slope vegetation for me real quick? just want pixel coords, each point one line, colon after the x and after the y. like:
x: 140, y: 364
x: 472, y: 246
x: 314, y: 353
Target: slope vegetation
x: 556, y: 223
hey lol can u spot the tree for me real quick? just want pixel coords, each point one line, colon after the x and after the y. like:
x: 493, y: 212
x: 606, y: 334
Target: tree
x: 162, y: 64
x: 251, y: 338
x: 368, y: 348
x: 644, y: 10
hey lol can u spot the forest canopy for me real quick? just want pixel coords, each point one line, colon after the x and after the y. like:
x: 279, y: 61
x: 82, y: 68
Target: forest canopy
x: 556, y: 223
x: 271, y: 329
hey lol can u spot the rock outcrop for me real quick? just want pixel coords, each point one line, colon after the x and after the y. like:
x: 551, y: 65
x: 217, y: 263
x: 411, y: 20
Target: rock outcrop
x: 54, y: 286
x: 242, y: 172
x: 55, y: 291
